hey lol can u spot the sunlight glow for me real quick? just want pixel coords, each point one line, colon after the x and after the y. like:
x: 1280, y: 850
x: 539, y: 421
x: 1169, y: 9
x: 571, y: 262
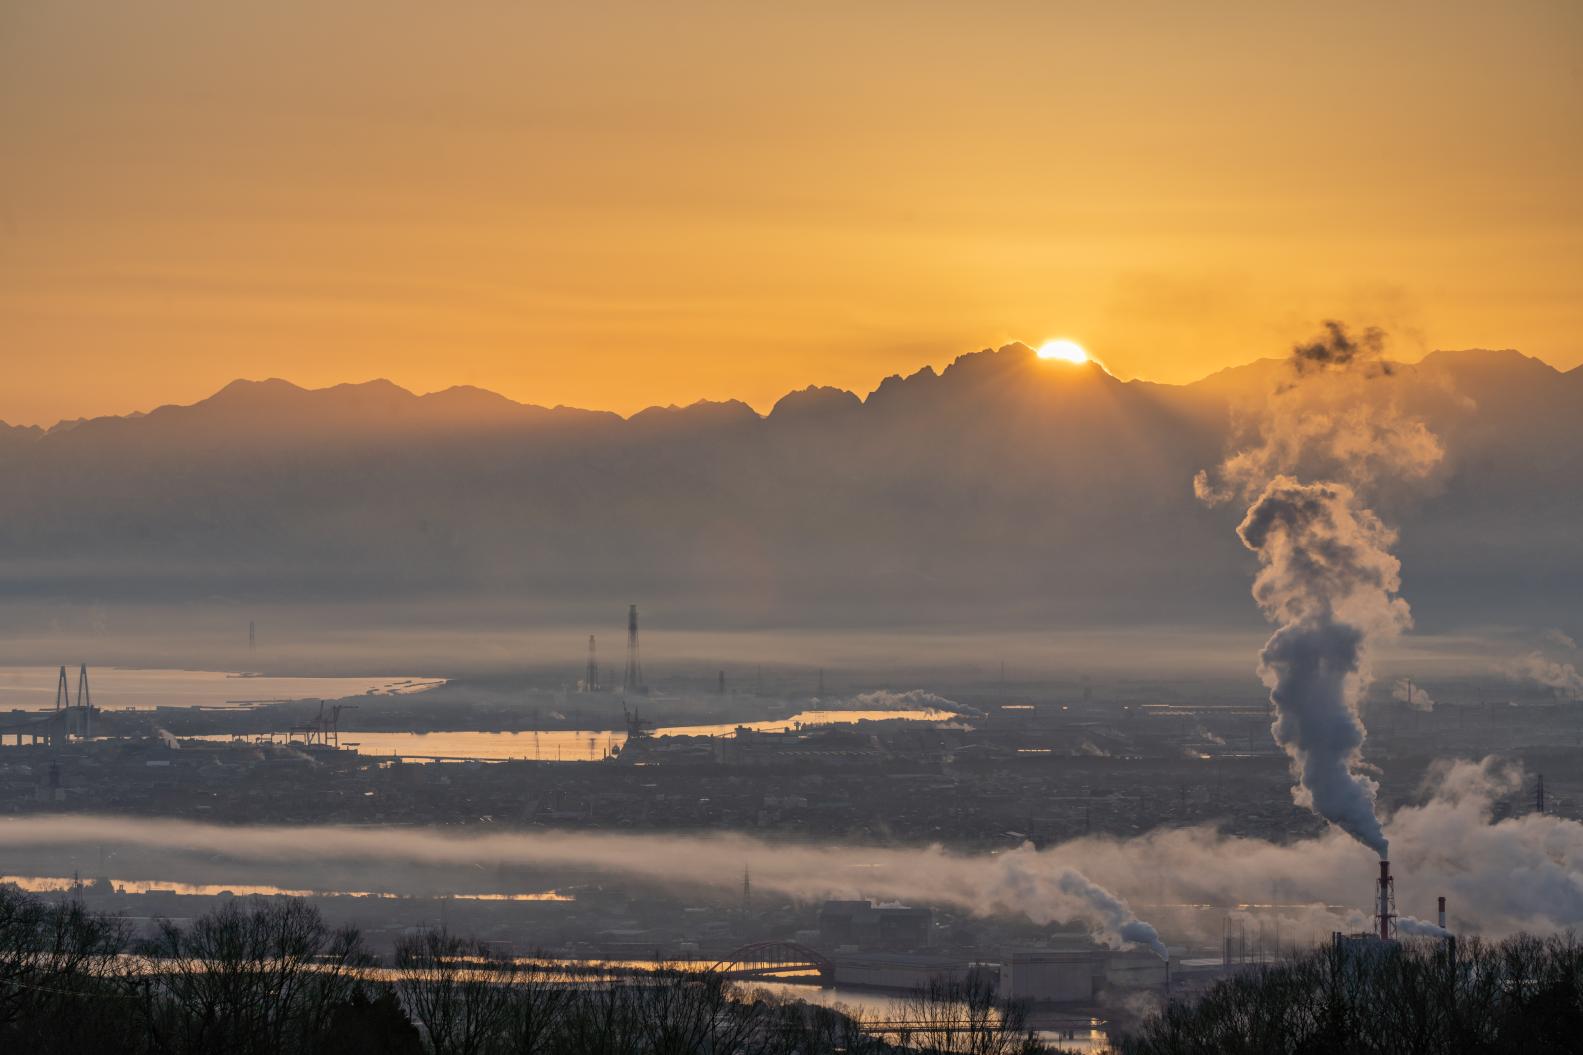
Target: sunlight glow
x: 1064, y: 350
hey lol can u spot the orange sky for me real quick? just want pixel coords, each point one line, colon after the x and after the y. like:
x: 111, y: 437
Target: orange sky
x: 657, y: 203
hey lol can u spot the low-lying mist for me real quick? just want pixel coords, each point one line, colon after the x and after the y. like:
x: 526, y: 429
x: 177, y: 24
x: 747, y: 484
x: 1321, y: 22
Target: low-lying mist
x: 1519, y: 873
x: 455, y: 638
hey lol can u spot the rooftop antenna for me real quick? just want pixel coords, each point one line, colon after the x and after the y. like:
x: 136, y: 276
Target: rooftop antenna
x: 633, y: 682
x: 591, y: 677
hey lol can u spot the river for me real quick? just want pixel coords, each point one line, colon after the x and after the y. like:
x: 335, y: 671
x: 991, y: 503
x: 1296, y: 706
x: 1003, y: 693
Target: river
x: 580, y: 745
x: 33, y: 688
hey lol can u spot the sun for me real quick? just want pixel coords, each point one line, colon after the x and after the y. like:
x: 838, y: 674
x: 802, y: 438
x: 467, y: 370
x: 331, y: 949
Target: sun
x: 1064, y: 350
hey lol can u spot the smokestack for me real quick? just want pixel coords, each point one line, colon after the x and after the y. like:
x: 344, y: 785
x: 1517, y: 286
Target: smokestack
x: 1386, y: 916
x: 1442, y: 912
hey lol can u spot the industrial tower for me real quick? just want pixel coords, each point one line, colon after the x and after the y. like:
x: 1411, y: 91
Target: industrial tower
x: 591, y: 678
x: 82, y: 710
x: 85, y: 701
x: 633, y: 682
x: 1385, y: 896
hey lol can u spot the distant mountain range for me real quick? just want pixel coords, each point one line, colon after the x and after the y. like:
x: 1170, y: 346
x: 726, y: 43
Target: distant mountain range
x: 1002, y: 490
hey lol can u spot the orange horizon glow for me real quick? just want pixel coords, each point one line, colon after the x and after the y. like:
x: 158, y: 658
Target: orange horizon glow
x: 621, y: 208
x: 1063, y: 350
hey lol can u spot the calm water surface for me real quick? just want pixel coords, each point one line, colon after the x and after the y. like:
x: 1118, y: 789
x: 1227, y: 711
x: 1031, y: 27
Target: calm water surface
x: 33, y: 688
x: 570, y: 745
x: 51, y: 884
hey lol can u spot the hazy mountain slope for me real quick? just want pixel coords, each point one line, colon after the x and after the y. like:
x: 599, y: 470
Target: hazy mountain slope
x: 1000, y: 490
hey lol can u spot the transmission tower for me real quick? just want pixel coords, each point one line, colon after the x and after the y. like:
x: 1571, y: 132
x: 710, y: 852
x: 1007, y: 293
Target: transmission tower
x: 633, y: 682
x: 591, y: 678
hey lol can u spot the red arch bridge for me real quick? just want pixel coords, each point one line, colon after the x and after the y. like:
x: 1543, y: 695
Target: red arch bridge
x: 777, y: 961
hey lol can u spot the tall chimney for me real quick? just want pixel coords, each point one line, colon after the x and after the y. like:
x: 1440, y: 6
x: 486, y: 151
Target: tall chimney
x: 1442, y: 912
x: 1386, y: 917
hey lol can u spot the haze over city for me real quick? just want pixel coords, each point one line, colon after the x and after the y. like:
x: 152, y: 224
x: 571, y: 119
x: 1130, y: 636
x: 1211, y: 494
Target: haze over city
x: 1024, y: 528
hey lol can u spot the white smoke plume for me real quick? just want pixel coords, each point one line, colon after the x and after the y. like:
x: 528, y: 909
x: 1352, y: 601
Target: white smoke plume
x: 1557, y: 636
x: 1523, y: 873
x: 1327, y: 577
x: 1036, y: 885
x: 1329, y: 580
x: 1540, y: 669
x: 911, y: 700
x: 1022, y: 881
x: 1323, y: 422
x: 1414, y: 695
x: 1415, y: 927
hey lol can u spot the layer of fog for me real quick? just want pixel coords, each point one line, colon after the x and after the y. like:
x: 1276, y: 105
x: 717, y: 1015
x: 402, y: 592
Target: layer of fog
x: 450, y: 640
x: 1519, y: 873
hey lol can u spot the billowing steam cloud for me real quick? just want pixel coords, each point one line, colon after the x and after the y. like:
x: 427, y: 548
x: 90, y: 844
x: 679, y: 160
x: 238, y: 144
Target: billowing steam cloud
x: 1557, y: 636
x: 1415, y: 927
x: 1034, y: 886
x: 1540, y: 669
x: 1330, y: 582
x: 911, y: 700
x: 1327, y: 577
x: 1022, y: 881
x: 1523, y: 873
x: 1412, y: 694
x: 1322, y: 423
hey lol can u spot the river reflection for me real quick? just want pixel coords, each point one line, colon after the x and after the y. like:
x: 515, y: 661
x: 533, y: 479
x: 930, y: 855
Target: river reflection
x: 33, y: 688
x: 583, y: 745
x: 57, y: 884
x: 1070, y: 1032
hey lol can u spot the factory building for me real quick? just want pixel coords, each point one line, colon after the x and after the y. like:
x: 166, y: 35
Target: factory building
x: 1078, y: 975
x: 1052, y: 976
x: 864, y: 925
x: 901, y: 972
